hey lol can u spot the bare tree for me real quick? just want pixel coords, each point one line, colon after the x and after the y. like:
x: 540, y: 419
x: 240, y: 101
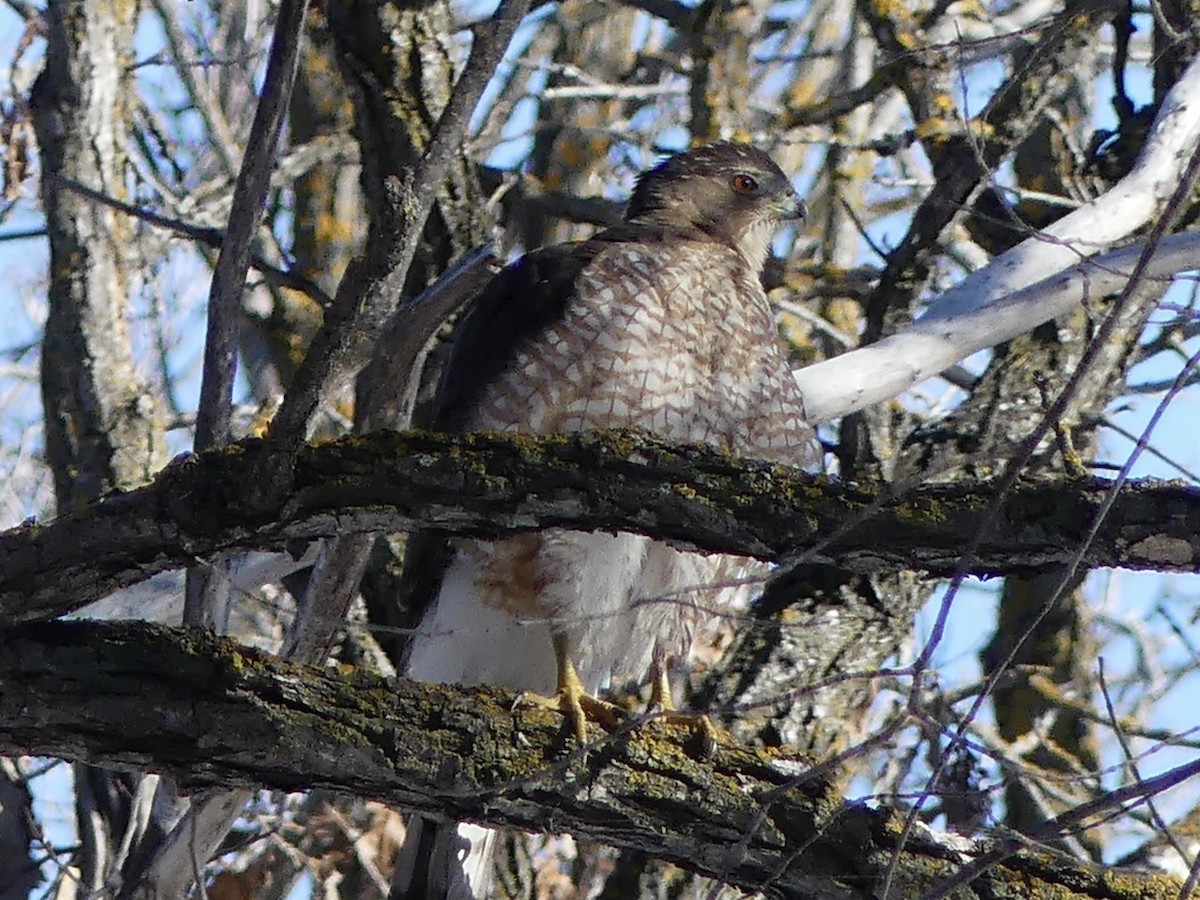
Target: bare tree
x: 258, y: 219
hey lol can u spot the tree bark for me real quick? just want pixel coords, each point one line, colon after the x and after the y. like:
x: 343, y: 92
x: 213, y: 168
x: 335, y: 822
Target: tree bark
x: 213, y: 713
x: 102, y: 423
x: 102, y: 428
x: 488, y: 485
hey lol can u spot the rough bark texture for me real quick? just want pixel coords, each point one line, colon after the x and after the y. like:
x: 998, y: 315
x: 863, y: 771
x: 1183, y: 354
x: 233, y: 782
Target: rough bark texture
x: 102, y: 430
x: 758, y: 819
x: 492, y: 484
x: 19, y: 874
x: 102, y: 423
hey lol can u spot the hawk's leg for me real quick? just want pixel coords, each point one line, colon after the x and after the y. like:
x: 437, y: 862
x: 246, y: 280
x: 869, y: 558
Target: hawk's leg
x: 572, y: 699
x: 660, y: 685
x: 702, y: 727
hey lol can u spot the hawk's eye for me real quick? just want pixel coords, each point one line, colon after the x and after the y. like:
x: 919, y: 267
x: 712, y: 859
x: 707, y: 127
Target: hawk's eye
x: 743, y: 184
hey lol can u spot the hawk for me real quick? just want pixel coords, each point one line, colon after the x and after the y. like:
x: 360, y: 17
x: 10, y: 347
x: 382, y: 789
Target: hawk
x: 659, y: 324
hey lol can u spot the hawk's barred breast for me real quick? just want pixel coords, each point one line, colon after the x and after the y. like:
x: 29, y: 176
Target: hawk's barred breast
x: 679, y: 342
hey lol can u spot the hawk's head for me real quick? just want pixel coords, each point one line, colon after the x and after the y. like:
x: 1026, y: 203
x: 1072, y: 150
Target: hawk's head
x: 731, y: 193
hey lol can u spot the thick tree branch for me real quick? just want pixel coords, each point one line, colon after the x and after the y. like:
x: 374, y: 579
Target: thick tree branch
x: 213, y: 713
x: 495, y: 484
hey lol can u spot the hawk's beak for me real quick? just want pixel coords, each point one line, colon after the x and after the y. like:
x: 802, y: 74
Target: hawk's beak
x: 792, y: 207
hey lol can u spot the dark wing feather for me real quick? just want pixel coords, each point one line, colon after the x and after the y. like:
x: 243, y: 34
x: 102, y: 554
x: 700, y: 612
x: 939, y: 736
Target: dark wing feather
x: 523, y: 300
x: 518, y: 304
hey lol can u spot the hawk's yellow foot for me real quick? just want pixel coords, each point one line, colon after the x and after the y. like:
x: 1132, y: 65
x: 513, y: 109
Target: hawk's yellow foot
x: 704, y: 730
x: 572, y: 700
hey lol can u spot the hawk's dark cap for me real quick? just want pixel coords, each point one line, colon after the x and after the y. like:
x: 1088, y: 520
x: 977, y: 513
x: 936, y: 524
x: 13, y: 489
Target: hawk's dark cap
x: 721, y: 159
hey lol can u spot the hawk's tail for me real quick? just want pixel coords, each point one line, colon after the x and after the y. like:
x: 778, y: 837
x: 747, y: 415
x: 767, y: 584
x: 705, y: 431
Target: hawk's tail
x: 444, y: 861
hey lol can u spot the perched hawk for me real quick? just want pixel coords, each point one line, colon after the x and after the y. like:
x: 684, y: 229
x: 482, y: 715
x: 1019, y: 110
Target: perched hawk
x: 660, y: 324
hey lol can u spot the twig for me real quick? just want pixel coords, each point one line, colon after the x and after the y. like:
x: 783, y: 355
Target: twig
x: 215, y: 123
x: 209, y: 237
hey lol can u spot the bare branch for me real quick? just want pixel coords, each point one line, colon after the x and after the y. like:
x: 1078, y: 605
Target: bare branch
x: 213, y: 238
x: 862, y: 377
x: 363, y: 307
x: 1020, y: 288
x: 229, y: 275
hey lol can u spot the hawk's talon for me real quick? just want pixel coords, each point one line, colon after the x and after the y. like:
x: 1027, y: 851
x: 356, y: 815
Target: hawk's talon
x: 660, y: 686
x: 577, y: 708
x: 704, y: 730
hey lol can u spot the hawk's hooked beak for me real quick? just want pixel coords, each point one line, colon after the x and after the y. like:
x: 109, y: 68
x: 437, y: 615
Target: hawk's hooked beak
x: 792, y: 207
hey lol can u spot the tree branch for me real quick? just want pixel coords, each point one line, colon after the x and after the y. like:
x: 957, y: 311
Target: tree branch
x: 208, y: 584
x: 986, y: 307
x: 229, y: 274
x: 213, y: 713
x: 208, y: 237
x: 498, y: 484
x: 951, y: 332
x: 365, y: 300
